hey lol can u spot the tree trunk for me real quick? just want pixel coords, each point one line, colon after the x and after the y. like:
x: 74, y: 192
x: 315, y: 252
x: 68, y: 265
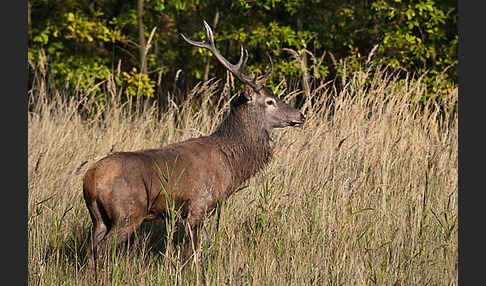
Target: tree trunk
x: 305, y: 73
x: 141, y: 37
x: 28, y: 19
x: 303, y: 64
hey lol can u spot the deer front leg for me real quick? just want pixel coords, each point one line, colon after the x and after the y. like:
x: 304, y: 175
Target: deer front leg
x: 195, y: 235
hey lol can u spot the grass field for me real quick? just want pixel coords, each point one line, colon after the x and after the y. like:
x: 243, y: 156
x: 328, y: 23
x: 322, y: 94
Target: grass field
x: 364, y: 193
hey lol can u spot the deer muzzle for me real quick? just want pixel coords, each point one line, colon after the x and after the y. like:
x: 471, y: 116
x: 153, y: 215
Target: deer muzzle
x: 299, y: 121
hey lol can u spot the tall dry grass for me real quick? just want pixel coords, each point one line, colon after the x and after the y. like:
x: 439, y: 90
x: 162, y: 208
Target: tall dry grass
x: 364, y: 193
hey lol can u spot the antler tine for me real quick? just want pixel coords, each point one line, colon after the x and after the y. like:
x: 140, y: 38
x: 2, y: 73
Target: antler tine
x: 194, y: 43
x: 264, y: 77
x: 243, y: 58
x: 236, y: 70
x: 209, y: 34
x: 209, y: 44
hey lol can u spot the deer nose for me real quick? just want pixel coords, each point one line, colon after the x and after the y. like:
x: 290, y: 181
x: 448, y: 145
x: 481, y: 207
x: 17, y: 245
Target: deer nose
x: 302, y: 117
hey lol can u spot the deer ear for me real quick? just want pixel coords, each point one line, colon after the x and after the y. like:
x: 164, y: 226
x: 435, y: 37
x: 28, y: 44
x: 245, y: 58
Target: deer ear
x: 249, y: 93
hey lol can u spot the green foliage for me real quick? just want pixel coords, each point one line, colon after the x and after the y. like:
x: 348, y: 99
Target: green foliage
x: 85, y: 41
x: 419, y: 36
x: 138, y: 83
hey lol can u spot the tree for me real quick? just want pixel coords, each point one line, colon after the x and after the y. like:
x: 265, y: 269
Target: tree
x: 84, y: 41
x: 141, y: 37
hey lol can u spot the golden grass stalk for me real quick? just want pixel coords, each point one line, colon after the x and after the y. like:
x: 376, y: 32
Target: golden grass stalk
x: 364, y: 193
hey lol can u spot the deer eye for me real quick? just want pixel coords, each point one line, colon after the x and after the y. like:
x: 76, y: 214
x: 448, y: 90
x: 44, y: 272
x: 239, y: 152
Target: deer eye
x: 270, y: 102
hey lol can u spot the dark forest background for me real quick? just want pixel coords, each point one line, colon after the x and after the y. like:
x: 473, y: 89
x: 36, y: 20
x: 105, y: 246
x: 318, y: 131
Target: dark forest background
x: 77, y: 44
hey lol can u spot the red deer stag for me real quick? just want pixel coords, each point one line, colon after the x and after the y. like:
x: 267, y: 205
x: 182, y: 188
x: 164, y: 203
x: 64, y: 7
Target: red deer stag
x: 125, y: 188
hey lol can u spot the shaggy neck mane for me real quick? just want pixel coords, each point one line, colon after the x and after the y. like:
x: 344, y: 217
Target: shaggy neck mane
x: 244, y: 141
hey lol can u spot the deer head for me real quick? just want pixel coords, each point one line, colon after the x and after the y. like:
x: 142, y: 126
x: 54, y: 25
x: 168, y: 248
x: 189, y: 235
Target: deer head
x: 276, y: 113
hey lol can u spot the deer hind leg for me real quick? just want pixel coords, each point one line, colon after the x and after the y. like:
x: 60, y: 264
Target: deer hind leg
x: 99, y: 231
x: 118, y: 234
x: 125, y: 223
x: 123, y: 210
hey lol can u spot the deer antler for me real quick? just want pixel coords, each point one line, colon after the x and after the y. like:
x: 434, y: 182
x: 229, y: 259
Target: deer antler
x: 236, y: 70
